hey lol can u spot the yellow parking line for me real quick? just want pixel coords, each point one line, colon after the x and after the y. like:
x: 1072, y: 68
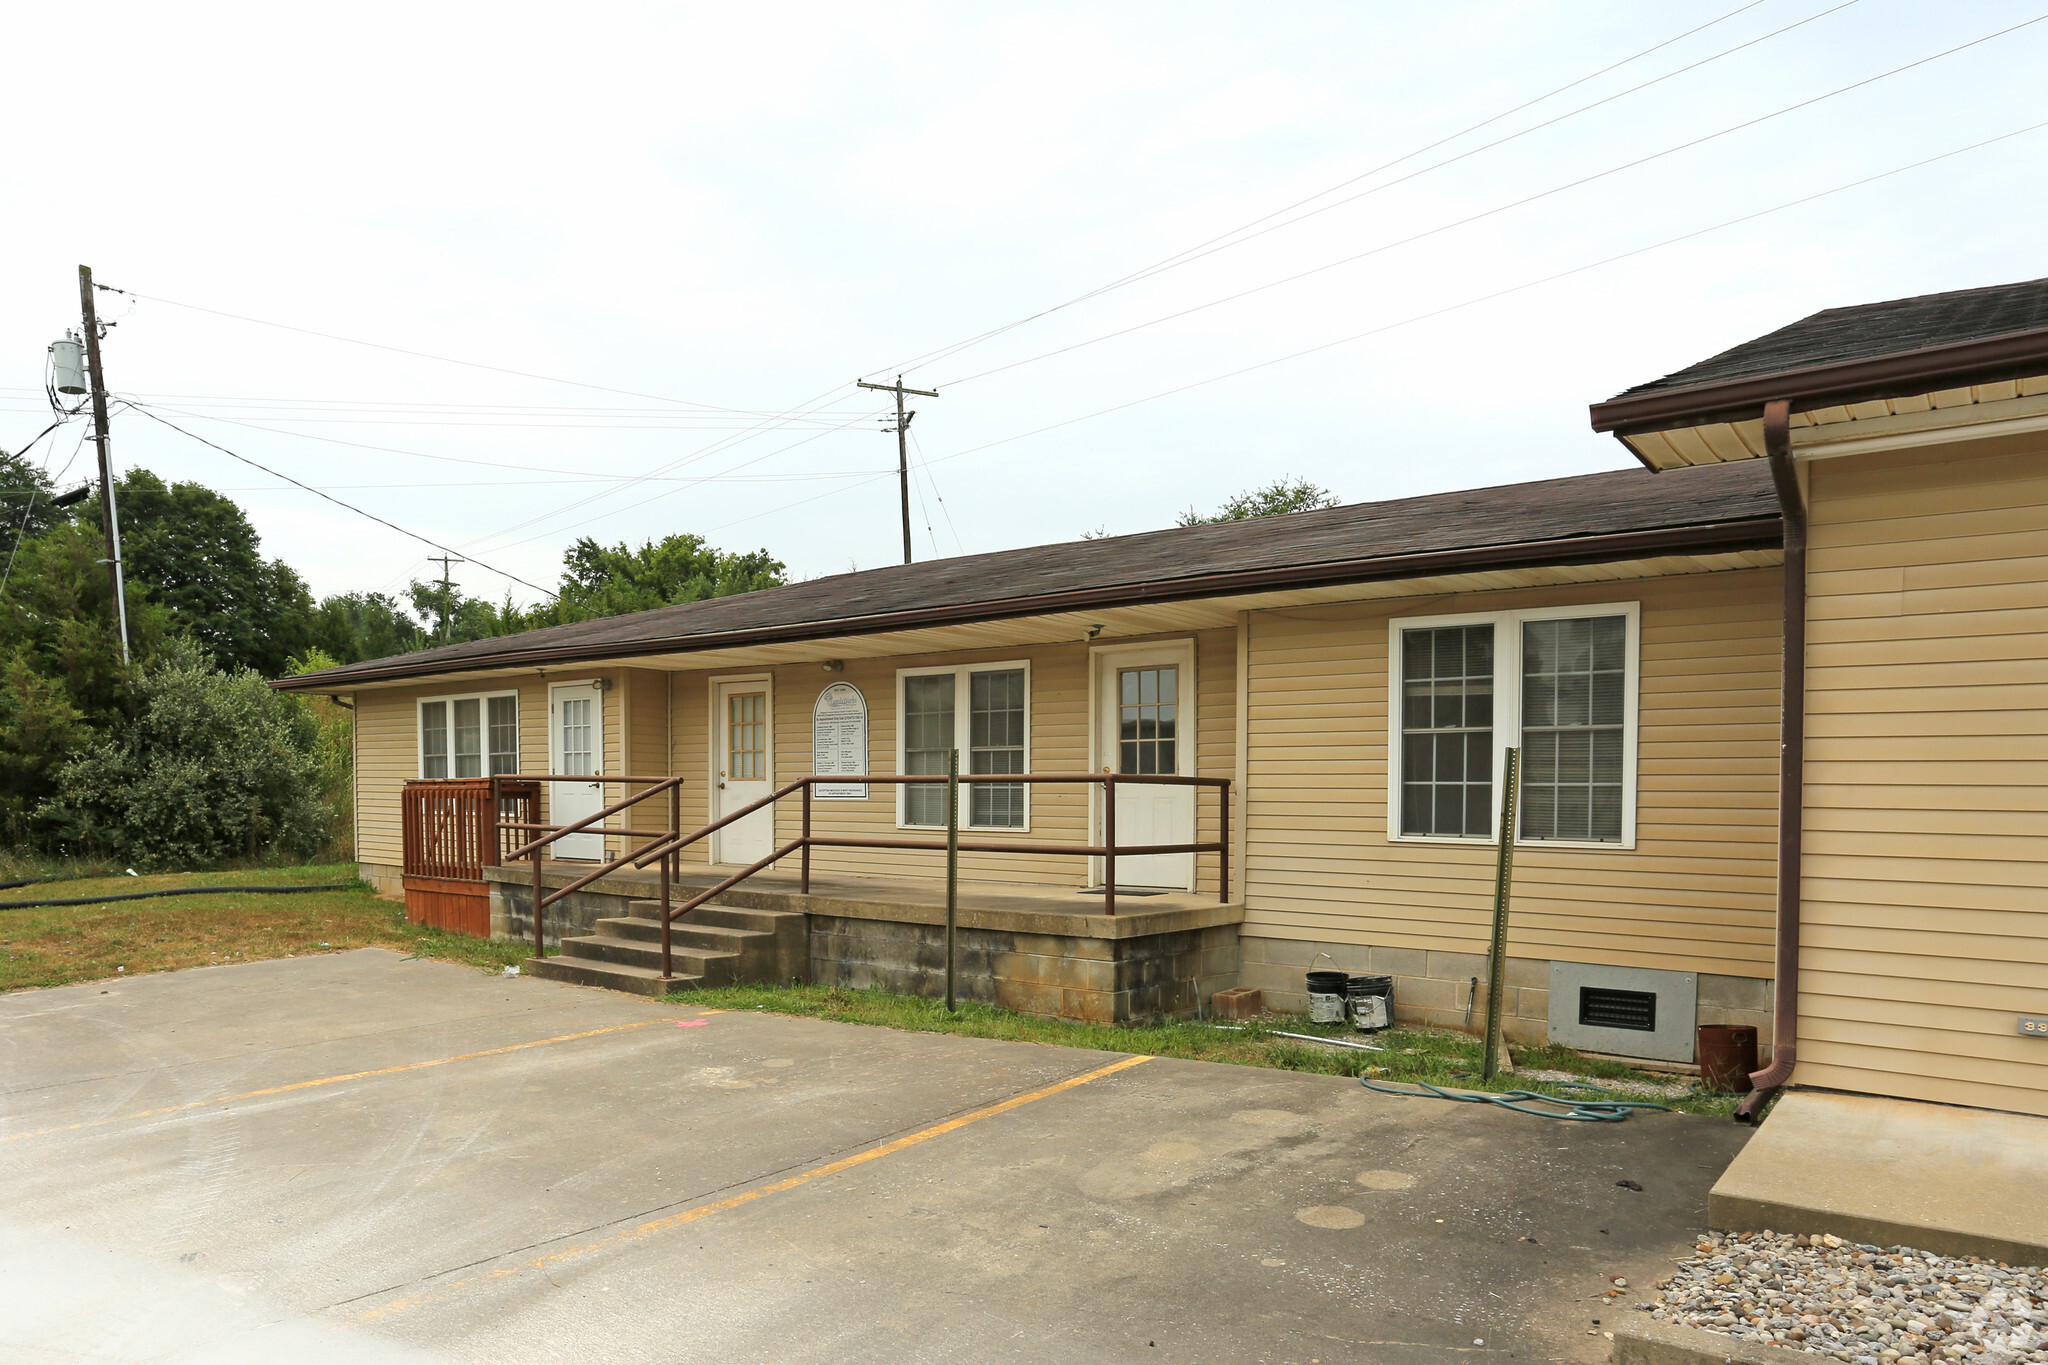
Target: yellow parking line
x: 676, y: 1220
x: 333, y: 1080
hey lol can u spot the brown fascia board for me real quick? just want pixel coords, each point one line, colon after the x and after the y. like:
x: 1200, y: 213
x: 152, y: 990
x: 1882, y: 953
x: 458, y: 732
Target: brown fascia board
x: 1751, y: 533
x: 2015, y: 355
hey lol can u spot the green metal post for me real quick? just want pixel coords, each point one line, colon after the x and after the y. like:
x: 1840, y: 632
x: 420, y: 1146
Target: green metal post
x: 952, y: 870
x: 1497, y: 959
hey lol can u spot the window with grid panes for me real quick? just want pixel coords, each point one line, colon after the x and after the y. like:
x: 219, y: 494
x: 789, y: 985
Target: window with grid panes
x: 469, y: 736
x: 998, y: 723
x: 927, y: 744
x: 996, y: 745
x: 747, y: 736
x: 1574, y: 675
x: 1447, y: 731
x: 1148, y: 713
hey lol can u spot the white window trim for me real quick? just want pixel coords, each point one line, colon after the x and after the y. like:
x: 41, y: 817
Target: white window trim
x: 483, y: 699
x: 1507, y: 714
x: 962, y: 696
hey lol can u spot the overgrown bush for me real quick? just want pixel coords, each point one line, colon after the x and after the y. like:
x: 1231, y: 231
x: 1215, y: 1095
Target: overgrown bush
x: 334, y: 751
x: 213, y: 766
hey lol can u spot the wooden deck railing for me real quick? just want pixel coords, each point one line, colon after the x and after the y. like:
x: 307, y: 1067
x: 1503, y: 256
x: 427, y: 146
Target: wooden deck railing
x: 449, y: 825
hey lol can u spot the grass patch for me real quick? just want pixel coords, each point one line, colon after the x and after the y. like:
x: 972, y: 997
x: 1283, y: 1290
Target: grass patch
x: 1442, y: 1058
x: 60, y: 945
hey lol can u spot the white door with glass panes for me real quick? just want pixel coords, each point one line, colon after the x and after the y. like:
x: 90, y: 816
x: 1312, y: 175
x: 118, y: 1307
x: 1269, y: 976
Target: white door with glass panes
x: 745, y: 770
x: 576, y: 747
x: 1144, y: 725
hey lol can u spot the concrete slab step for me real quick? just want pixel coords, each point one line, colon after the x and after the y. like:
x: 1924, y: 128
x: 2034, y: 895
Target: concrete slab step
x: 726, y: 916
x: 617, y: 976
x: 716, y: 967
x: 715, y: 937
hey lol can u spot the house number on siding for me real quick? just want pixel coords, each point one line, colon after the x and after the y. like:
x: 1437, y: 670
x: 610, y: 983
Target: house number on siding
x: 839, y: 742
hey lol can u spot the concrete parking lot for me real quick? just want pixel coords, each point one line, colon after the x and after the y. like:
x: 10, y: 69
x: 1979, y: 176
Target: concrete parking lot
x: 363, y: 1158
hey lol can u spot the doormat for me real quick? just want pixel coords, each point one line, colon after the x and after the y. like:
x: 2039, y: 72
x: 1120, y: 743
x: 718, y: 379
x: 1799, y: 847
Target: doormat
x: 1123, y: 891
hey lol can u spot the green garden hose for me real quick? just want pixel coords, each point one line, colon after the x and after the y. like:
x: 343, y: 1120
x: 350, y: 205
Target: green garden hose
x: 1576, y: 1111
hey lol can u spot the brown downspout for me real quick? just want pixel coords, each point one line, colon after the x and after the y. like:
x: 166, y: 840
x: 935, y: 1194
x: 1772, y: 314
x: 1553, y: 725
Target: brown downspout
x: 1791, y: 767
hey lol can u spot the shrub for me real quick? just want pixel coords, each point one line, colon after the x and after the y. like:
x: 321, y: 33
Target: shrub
x: 213, y: 766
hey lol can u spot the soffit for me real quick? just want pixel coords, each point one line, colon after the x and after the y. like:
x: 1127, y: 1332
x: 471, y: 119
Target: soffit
x: 1972, y: 412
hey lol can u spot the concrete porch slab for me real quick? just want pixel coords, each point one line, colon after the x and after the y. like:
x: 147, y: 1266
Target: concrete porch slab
x: 983, y: 905
x: 1963, y: 1182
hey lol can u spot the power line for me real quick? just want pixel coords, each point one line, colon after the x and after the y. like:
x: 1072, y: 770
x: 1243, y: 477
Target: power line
x: 420, y: 355
x: 399, y: 450
x: 152, y: 416
x: 1494, y: 211
x: 1439, y: 312
x: 1224, y: 240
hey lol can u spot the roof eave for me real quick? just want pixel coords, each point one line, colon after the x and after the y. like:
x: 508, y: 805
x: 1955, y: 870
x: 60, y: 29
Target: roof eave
x: 2014, y: 355
x: 1748, y: 533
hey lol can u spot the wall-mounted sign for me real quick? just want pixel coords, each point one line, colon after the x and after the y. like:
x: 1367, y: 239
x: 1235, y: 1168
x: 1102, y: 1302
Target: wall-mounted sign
x: 839, y: 742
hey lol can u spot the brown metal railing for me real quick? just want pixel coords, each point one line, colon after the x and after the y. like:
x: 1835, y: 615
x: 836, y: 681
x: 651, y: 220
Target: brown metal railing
x: 536, y: 849
x: 1108, y: 850
x: 448, y: 830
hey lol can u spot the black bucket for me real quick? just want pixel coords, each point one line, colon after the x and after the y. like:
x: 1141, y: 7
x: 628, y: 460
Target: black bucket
x: 1328, y: 983
x: 1369, y: 985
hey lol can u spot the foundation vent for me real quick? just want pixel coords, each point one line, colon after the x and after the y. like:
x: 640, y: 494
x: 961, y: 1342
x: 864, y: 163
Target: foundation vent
x: 1626, y: 1011
x: 1602, y: 1007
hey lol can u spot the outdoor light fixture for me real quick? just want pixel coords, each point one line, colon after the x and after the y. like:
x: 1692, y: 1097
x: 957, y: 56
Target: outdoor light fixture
x: 835, y: 665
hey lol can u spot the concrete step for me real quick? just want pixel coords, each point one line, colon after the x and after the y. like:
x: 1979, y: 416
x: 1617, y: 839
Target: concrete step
x: 617, y: 976
x: 725, y: 916
x: 714, y: 967
x: 683, y: 932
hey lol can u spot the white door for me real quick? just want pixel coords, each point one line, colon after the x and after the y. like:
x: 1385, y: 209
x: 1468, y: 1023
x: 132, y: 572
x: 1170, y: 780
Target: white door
x: 1144, y: 724
x: 576, y: 746
x: 744, y: 770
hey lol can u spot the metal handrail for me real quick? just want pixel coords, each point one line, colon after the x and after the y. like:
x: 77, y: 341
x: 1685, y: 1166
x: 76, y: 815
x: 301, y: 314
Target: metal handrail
x: 1108, y: 850
x: 666, y: 846
x: 533, y: 848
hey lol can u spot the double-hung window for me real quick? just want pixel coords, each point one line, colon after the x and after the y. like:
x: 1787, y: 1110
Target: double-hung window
x: 469, y: 736
x: 1559, y: 683
x: 984, y: 710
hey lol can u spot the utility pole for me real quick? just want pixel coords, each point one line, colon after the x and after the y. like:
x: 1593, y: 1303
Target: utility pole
x: 110, y: 516
x: 902, y: 430
x: 447, y: 588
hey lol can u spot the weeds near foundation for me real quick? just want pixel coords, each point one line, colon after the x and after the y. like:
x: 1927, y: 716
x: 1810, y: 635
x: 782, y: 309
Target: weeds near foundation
x: 1442, y: 1058
x: 63, y: 945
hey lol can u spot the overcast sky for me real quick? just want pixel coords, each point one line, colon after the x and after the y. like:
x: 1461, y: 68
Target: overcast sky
x: 690, y: 222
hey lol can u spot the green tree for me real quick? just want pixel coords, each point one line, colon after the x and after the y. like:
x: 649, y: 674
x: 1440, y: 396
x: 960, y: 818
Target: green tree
x: 334, y: 749
x: 350, y: 627
x: 611, y: 580
x: 212, y: 766
x: 25, y: 508
x: 203, y: 562
x: 1283, y: 495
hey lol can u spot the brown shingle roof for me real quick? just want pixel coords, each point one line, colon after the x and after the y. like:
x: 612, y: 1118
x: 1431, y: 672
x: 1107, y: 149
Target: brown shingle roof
x: 1846, y: 355
x: 1836, y: 335
x: 1588, y: 518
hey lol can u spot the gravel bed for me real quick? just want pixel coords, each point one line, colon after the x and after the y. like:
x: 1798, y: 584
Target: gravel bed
x: 1670, y: 1090
x: 1859, y: 1303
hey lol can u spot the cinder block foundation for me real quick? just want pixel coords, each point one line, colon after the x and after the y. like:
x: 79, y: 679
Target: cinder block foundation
x: 1436, y: 989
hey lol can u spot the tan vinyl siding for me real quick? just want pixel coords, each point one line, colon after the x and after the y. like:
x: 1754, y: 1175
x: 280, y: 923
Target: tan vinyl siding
x: 1695, y: 892
x: 1059, y: 730
x: 388, y: 754
x: 1926, y: 870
